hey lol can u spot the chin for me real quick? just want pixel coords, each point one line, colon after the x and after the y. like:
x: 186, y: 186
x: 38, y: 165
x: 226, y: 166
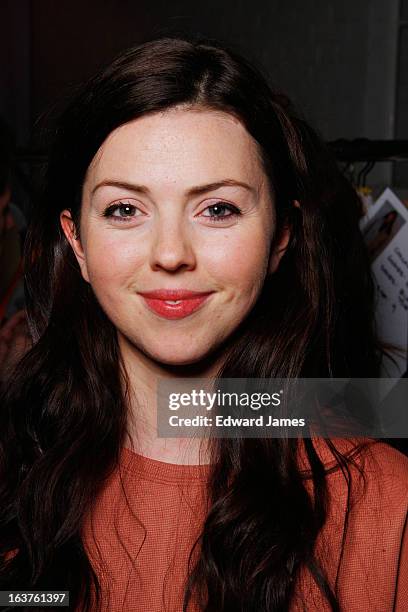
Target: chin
x: 179, y: 360
x: 174, y: 352
x: 199, y: 356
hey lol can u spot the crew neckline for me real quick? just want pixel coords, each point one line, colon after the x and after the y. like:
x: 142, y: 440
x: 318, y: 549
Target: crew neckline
x: 152, y: 469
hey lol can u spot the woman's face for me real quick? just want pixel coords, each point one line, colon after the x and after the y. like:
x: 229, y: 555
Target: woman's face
x: 176, y: 201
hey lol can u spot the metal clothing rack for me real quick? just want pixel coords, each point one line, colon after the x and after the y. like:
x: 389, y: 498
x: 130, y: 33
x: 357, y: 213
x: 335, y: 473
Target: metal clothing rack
x: 367, y: 152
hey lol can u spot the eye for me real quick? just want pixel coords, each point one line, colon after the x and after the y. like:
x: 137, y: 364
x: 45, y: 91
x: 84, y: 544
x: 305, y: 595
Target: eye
x: 125, y: 211
x: 220, y: 211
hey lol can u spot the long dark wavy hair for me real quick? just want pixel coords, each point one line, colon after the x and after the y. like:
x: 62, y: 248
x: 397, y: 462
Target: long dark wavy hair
x: 63, y: 419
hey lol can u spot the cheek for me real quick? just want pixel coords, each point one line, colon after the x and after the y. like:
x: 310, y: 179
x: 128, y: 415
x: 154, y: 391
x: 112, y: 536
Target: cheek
x: 112, y: 259
x: 238, y: 260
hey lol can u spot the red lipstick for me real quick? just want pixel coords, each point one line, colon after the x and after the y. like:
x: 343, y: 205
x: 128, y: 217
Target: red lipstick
x: 174, y: 303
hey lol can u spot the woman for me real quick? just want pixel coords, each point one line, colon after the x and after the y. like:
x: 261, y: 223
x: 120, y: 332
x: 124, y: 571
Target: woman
x: 192, y: 225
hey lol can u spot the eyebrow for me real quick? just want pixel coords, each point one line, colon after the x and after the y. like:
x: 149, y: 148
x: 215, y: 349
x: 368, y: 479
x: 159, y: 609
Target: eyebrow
x: 200, y: 189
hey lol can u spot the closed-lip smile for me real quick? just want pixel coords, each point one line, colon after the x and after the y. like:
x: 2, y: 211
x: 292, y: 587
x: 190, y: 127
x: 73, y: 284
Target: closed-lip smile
x: 174, y: 303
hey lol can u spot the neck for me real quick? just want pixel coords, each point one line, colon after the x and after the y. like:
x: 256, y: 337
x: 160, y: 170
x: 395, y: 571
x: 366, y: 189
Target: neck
x: 143, y: 374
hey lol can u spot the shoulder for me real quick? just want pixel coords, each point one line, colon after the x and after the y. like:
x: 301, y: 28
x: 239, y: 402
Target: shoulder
x: 363, y: 544
x: 370, y: 539
x: 374, y: 481
x: 376, y: 497
x: 384, y: 471
x: 378, y: 533
x: 379, y: 479
x: 388, y: 467
x: 376, y: 457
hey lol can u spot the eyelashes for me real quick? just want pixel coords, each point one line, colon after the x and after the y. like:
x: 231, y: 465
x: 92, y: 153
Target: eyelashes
x: 121, y: 206
x: 217, y: 211
x: 221, y: 206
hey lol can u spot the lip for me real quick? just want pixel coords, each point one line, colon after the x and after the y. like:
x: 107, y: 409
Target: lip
x: 189, y: 302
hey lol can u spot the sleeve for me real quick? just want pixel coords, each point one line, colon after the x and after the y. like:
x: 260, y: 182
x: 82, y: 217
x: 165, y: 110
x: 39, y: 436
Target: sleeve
x: 401, y: 593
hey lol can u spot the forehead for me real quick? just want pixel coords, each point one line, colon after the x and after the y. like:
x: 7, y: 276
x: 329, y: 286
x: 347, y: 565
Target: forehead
x: 188, y: 145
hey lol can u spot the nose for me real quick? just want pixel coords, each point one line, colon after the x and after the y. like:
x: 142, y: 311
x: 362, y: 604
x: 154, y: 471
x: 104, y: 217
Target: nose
x: 172, y: 249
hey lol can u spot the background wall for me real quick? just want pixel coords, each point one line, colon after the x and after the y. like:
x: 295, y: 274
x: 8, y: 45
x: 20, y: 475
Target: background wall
x: 15, y: 61
x: 336, y: 58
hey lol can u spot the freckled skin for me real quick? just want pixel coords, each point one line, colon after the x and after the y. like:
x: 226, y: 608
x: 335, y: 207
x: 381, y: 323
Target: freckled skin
x: 172, y: 243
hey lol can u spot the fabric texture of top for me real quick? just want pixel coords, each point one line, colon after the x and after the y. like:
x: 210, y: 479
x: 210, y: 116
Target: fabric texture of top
x: 143, y: 524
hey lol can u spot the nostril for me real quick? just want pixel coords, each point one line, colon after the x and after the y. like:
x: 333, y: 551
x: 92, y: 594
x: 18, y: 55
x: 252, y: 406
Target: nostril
x: 172, y: 256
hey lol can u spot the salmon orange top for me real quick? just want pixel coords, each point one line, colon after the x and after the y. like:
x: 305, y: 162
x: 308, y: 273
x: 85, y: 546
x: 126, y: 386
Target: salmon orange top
x: 144, y: 523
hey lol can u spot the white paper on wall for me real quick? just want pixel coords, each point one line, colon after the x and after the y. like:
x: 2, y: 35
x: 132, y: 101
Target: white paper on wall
x: 385, y: 231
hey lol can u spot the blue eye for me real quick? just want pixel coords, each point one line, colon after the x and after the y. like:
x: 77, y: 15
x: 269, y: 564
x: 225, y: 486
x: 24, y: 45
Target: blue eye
x: 218, y: 210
